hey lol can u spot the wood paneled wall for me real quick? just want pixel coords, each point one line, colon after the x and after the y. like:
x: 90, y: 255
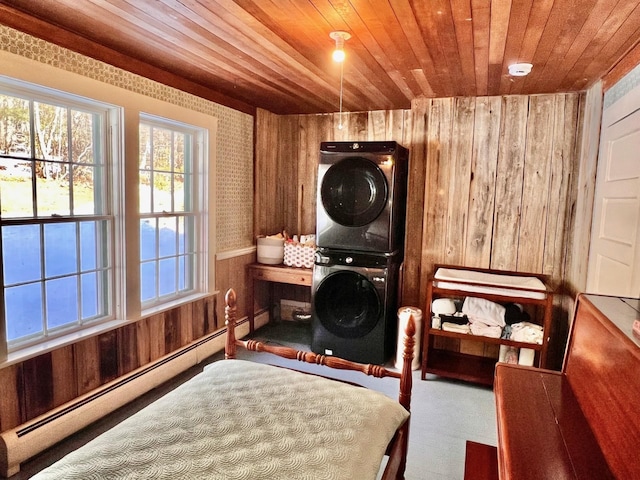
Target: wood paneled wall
x: 493, y: 181
x: 37, y: 385
x: 231, y: 272
x: 490, y: 183
x: 498, y: 182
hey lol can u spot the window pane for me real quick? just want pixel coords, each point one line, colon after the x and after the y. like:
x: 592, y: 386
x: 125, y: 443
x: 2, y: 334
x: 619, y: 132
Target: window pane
x: 189, y: 235
x: 51, y: 135
x: 189, y: 271
x: 161, y: 149
x: 168, y: 275
x: 147, y: 281
x: 144, y: 192
x: 178, y: 193
x: 82, y: 137
x: 62, y: 301
x: 178, y: 152
x: 144, y: 136
x: 23, y: 310
x: 88, y: 260
x: 16, y: 136
x: 180, y: 234
x: 60, y: 257
x: 52, y: 189
x: 83, y: 191
x: 147, y: 239
x: 168, y: 236
x: 21, y: 253
x: 162, y: 192
x: 182, y: 274
x: 89, y: 295
x: 16, y: 194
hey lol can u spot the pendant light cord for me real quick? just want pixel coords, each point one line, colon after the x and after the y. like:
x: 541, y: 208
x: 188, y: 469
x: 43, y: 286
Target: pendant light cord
x: 341, y: 76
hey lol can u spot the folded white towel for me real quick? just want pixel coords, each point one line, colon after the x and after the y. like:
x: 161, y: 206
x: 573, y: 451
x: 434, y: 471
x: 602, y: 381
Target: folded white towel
x: 454, y: 327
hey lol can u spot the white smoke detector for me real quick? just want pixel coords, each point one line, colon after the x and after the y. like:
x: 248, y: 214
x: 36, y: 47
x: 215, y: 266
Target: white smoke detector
x: 520, y: 69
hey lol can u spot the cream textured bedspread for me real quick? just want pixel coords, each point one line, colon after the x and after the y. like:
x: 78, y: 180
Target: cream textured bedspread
x: 245, y: 420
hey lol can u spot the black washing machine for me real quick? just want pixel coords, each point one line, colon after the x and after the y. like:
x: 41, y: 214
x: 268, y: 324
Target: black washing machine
x: 361, y: 196
x: 354, y: 305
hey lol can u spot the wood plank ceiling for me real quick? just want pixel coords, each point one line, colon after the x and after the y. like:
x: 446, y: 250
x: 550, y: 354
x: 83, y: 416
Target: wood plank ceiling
x: 276, y: 54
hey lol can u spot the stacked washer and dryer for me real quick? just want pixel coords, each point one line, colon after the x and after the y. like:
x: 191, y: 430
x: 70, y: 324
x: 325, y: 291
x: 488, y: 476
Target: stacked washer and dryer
x: 360, y: 226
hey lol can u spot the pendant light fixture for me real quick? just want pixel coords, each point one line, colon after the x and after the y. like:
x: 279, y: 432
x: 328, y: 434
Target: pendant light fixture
x: 338, y: 56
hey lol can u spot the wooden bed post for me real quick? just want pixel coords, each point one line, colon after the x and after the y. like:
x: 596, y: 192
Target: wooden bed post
x: 406, y: 380
x: 230, y: 321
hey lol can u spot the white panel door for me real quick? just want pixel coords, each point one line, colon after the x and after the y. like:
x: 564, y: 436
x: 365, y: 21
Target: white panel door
x: 614, y: 259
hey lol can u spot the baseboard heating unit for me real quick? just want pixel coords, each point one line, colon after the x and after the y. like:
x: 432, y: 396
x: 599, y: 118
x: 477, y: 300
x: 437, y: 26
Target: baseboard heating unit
x: 27, y: 440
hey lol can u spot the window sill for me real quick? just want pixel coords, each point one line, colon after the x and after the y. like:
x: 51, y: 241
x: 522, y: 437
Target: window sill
x: 32, y: 351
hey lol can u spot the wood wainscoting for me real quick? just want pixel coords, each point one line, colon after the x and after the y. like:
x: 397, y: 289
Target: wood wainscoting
x: 37, y: 385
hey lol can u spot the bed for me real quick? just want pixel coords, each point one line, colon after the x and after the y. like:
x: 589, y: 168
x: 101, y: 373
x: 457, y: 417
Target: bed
x: 246, y: 420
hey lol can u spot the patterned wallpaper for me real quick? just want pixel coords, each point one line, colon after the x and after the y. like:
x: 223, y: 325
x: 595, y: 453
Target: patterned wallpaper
x: 234, y: 149
x: 627, y: 83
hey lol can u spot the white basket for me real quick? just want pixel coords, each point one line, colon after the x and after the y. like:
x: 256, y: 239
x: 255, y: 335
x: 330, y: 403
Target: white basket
x: 298, y: 255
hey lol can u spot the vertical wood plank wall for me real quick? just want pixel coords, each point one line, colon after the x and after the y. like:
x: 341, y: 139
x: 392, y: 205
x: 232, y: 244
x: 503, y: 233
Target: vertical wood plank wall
x: 231, y: 272
x: 492, y: 180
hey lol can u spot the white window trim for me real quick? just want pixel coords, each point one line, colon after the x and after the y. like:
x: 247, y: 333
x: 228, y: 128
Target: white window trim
x: 200, y: 146
x: 110, y: 116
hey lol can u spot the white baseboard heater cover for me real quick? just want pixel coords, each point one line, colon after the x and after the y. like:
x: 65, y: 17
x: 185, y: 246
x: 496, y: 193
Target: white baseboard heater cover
x: 27, y: 440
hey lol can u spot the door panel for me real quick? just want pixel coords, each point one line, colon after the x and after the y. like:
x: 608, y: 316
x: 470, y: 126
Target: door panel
x: 615, y: 250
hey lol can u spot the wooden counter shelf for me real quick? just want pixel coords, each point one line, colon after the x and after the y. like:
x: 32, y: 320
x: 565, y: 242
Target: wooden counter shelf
x: 274, y: 273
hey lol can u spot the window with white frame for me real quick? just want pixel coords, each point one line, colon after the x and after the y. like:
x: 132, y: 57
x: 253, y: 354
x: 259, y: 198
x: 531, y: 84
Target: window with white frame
x: 64, y: 232
x: 57, y: 222
x: 169, y: 226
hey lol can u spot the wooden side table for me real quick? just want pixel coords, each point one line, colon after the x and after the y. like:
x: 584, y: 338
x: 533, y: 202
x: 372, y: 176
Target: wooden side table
x: 274, y: 273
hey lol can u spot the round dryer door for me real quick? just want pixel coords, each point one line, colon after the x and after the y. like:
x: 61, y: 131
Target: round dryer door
x: 354, y: 192
x: 347, y: 304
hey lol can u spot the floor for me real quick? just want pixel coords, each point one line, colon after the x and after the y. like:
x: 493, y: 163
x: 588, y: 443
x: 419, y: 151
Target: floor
x: 445, y: 414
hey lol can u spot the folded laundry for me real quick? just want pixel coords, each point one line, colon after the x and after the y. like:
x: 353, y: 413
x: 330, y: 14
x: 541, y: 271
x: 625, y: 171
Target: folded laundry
x: 454, y: 327
x: 484, y: 330
x: 527, y: 332
x: 483, y: 310
x: 513, y: 313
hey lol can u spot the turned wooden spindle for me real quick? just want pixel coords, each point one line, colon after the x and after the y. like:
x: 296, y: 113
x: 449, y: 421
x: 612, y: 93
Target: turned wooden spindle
x: 406, y: 381
x: 332, y: 362
x: 230, y: 321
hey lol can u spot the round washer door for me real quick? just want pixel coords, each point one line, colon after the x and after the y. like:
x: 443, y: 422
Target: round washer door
x: 354, y: 192
x: 347, y: 304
